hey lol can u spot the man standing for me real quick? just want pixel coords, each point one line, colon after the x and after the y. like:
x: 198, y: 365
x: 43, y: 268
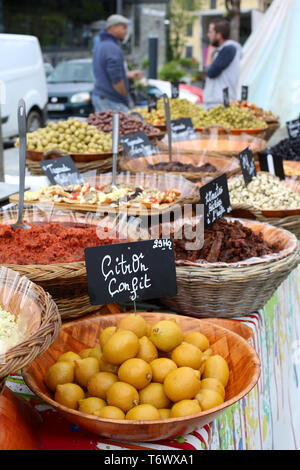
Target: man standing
x: 111, y: 89
x: 222, y: 64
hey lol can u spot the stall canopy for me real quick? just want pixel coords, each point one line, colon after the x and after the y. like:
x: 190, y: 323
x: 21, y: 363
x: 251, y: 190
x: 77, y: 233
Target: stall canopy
x: 271, y: 65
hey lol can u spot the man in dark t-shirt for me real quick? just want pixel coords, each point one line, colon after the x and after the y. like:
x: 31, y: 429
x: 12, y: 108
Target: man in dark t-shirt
x: 111, y: 89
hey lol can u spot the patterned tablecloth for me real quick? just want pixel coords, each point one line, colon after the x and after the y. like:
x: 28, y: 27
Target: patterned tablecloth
x: 267, y: 418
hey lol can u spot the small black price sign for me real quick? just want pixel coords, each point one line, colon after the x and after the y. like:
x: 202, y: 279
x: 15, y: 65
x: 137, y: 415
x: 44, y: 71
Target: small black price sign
x: 175, y: 89
x: 247, y: 165
x: 226, y: 97
x: 244, y: 95
x: 215, y: 197
x: 182, y: 129
x: 131, y: 271
x: 293, y: 128
x: 271, y: 163
x: 152, y: 102
x: 61, y: 170
x: 137, y: 145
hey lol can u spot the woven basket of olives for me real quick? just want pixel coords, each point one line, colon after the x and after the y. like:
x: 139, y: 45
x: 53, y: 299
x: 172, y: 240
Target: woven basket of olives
x: 82, y: 141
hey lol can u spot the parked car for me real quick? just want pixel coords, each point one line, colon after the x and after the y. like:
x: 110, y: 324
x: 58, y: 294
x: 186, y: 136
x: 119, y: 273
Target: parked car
x: 48, y: 68
x: 70, y: 87
x: 22, y: 75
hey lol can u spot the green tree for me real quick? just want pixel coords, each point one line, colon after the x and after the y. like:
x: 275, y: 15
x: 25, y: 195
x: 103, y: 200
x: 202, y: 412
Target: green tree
x: 180, y: 16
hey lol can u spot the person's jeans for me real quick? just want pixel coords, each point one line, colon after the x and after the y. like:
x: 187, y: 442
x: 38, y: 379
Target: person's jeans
x: 105, y: 104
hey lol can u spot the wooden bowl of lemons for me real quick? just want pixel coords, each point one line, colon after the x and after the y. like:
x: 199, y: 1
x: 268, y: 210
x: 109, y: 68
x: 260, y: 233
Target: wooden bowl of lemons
x: 144, y: 376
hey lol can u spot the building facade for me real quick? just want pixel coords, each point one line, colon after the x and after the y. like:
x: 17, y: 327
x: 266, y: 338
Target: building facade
x: 196, y: 41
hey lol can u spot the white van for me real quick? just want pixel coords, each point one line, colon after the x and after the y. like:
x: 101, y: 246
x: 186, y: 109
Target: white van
x: 22, y: 75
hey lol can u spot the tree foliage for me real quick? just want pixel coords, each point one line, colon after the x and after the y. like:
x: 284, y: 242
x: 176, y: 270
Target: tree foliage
x: 180, y: 15
x: 51, y: 20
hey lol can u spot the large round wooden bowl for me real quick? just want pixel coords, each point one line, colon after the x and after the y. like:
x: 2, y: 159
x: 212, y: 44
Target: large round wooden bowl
x: 243, y: 362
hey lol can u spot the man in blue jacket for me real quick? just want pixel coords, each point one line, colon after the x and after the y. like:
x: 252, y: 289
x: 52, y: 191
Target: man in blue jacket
x: 111, y: 89
x: 222, y: 64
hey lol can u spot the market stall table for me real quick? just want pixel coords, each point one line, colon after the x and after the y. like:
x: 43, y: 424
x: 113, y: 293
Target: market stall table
x: 267, y: 418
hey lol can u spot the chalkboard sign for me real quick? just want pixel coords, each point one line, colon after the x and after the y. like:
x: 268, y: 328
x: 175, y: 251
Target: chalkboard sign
x: 61, y: 171
x: 247, y: 164
x: 293, y: 128
x: 244, y: 96
x: 131, y: 271
x: 226, y: 97
x: 271, y: 163
x: 174, y: 89
x: 137, y: 145
x: 182, y: 129
x: 152, y: 102
x: 215, y: 198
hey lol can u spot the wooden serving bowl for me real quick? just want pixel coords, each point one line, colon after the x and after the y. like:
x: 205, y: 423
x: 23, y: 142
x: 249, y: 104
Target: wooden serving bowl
x: 243, y: 362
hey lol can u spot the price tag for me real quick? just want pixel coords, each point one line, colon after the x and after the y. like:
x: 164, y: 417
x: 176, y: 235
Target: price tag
x: 271, y: 163
x: 131, y: 271
x: 226, y: 97
x: 215, y: 197
x: 152, y: 102
x: 175, y: 89
x: 293, y: 128
x: 247, y: 164
x: 137, y: 145
x: 244, y: 95
x: 182, y: 129
x: 61, y: 171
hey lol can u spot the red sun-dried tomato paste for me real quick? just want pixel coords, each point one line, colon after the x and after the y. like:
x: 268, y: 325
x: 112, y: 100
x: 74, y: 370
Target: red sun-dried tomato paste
x: 48, y: 243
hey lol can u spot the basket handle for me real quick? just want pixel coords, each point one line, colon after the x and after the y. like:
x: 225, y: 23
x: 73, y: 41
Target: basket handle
x: 55, y: 152
x: 215, y: 126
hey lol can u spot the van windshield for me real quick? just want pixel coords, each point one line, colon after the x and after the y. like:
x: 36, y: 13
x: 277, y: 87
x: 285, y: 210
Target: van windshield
x: 72, y: 72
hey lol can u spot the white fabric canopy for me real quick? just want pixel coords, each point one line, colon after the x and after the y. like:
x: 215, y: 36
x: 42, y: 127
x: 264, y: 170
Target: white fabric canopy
x: 271, y: 62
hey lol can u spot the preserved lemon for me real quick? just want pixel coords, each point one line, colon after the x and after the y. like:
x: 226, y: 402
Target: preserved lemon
x: 185, y: 408
x: 122, y: 395
x: 134, y: 323
x: 68, y: 395
x: 166, y: 335
x: 143, y: 412
x: 59, y: 373
x: 136, y: 372
x: 187, y: 355
x: 182, y: 384
x: 122, y: 345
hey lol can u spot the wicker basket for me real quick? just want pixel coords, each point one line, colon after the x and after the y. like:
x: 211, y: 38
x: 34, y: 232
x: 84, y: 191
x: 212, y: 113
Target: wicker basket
x: 101, y: 166
x: 271, y: 129
x: 235, y: 289
x: 43, y: 323
x: 289, y: 222
x: 65, y: 282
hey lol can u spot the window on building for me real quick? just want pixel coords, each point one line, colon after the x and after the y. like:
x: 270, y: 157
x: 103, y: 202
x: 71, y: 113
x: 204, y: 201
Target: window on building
x: 213, y: 4
x: 189, y: 52
x: 189, y: 30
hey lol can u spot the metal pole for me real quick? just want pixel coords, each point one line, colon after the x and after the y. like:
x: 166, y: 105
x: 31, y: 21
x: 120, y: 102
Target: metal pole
x: 119, y: 7
x: 1, y: 151
x: 153, y: 56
